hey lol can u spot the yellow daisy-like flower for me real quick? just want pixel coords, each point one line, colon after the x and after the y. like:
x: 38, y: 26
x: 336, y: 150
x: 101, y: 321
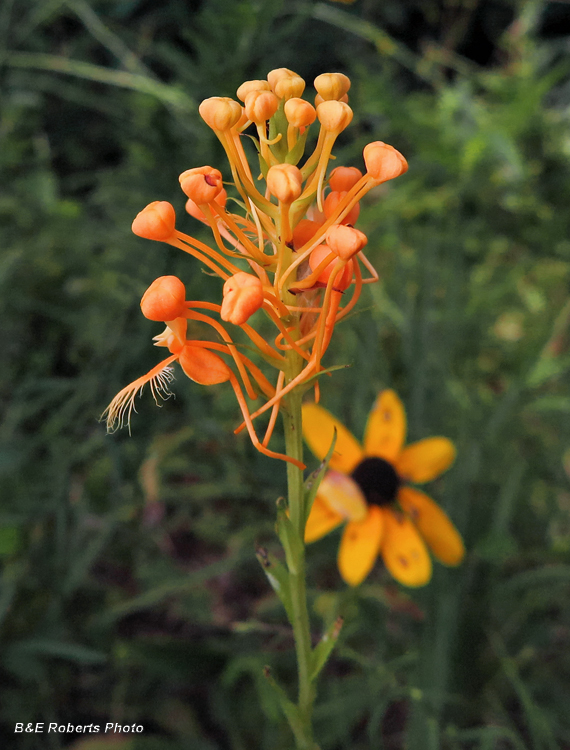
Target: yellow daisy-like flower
x: 365, y: 486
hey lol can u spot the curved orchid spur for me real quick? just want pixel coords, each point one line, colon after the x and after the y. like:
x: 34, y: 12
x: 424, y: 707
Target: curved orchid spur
x: 366, y: 487
x: 289, y: 252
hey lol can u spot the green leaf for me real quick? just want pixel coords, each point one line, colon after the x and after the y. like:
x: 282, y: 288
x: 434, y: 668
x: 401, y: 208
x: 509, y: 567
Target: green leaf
x: 551, y: 403
x: 278, y: 126
x: 546, y: 369
x: 289, y: 538
x: 278, y: 577
x: 314, y: 480
x: 290, y: 710
x: 169, y: 95
x: 293, y: 156
x: 46, y: 647
x: 263, y: 166
x: 324, y: 372
x: 255, y: 142
x: 324, y: 648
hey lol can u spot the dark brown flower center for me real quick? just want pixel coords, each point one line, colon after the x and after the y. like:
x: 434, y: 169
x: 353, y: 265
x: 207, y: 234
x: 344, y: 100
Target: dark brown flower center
x: 378, y: 480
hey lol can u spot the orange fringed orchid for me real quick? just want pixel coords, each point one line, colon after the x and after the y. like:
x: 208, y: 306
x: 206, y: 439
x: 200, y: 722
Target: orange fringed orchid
x: 366, y: 487
x: 292, y: 253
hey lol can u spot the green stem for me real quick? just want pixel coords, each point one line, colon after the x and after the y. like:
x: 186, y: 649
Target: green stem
x: 292, y: 417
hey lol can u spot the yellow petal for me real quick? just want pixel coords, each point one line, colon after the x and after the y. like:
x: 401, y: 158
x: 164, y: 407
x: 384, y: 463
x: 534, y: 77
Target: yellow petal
x: 433, y: 524
x: 322, y: 519
x: 404, y: 553
x: 344, y: 496
x: 359, y: 546
x: 386, y: 427
x: 426, y: 459
x: 318, y: 429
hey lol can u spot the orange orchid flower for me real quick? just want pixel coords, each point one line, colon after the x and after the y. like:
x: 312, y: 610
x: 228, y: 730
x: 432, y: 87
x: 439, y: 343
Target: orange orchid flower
x: 292, y: 253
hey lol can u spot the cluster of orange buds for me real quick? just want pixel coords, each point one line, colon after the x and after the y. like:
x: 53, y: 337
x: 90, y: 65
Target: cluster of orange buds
x: 292, y: 252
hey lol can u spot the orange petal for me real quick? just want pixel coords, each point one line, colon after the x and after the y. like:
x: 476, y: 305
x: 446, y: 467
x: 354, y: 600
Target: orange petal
x: 344, y: 496
x: 322, y: 519
x: 386, y: 427
x: 404, y: 553
x: 423, y: 461
x: 359, y: 546
x: 203, y: 366
x: 318, y: 429
x: 433, y: 524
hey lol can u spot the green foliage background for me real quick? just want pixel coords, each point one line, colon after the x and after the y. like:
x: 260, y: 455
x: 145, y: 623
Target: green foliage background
x: 130, y: 591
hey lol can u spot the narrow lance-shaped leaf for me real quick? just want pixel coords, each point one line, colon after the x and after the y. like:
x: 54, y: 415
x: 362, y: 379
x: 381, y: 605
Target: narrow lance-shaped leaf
x: 278, y: 126
x: 324, y: 648
x: 294, y: 156
x: 314, y: 480
x: 290, y: 710
x: 264, y: 167
x: 289, y: 538
x: 278, y: 577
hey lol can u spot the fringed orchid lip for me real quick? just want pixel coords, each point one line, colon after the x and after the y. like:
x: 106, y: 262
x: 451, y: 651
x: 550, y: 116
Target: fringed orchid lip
x: 399, y: 520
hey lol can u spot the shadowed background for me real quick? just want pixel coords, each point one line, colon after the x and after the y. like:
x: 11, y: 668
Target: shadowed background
x: 130, y: 590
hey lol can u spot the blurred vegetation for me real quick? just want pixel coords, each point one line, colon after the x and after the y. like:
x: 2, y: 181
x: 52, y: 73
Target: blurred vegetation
x: 130, y: 591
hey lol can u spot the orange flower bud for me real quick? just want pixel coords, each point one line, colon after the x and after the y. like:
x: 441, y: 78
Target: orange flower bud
x: 383, y: 162
x: 332, y: 85
x: 342, y: 279
x: 285, y: 182
x: 220, y: 112
x: 201, y: 184
x: 299, y: 113
x: 243, y: 295
x: 334, y: 116
x: 194, y: 210
x: 319, y: 99
x: 343, y: 178
x: 274, y: 76
x: 243, y: 120
x: 249, y: 86
x: 331, y: 203
x: 289, y: 87
x: 156, y: 221
x: 203, y: 366
x: 261, y: 105
x: 304, y: 231
x: 164, y: 300
x: 345, y: 241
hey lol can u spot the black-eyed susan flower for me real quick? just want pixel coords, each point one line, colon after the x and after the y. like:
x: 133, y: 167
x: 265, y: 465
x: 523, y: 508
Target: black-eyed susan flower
x: 366, y: 487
